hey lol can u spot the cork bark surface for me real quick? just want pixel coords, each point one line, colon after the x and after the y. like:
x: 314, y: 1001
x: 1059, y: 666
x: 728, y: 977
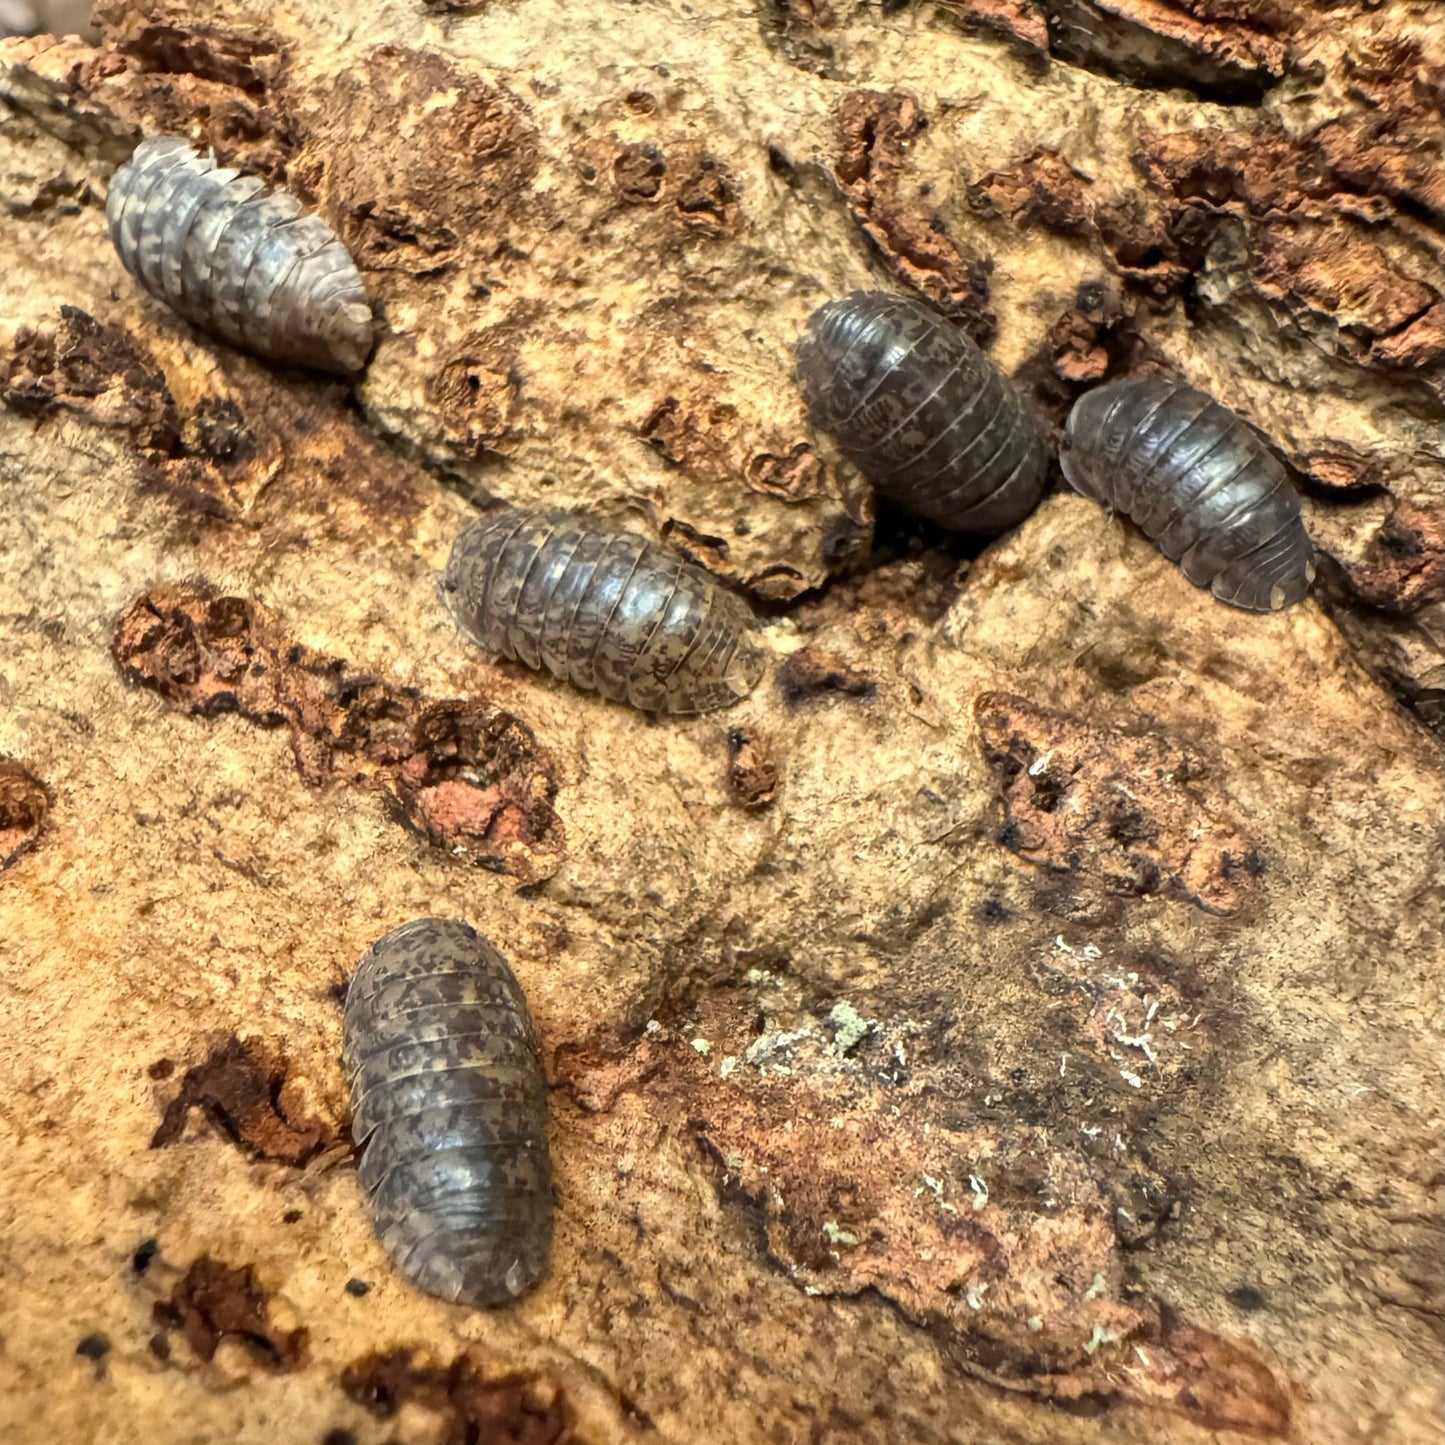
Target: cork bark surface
x: 1018, y: 1021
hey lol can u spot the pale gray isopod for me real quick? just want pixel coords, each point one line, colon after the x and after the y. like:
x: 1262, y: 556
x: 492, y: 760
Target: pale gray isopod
x: 1199, y: 483
x: 449, y: 1106
x: 603, y: 609
x: 239, y: 261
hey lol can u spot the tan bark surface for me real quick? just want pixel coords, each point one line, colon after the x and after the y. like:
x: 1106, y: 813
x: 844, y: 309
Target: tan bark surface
x: 1018, y: 1021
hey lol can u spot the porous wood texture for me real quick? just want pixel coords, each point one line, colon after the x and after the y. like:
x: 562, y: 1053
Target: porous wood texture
x: 1017, y: 1021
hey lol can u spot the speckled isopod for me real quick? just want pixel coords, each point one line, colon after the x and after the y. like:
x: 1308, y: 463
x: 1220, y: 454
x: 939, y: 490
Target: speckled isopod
x: 922, y: 412
x: 604, y: 609
x: 449, y: 1106
x: 1200, y: 484
x: 236, y: 259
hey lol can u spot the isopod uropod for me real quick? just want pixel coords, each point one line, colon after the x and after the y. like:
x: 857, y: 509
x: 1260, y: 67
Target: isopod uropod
x: 236, y: 259
x: 1200, y: 484
x: 922, y: 412
x: 449, y: 1105
x: 604, y: 609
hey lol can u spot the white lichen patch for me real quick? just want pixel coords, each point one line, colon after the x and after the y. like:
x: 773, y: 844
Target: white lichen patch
x: 1134, y: 1022
x: 935, y: 1187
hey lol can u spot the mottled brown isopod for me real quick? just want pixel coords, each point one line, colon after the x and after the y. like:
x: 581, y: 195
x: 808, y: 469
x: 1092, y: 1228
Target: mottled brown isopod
x: 449, y: 1106
x: 604, y: 609
x: 922, y: 412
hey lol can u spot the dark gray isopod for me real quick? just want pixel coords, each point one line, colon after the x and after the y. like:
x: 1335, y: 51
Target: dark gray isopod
x: 238, y: 260
x: 449, y: 1106
x: 603, y: 609
x: 1200, y: 484
x: 922, y: 412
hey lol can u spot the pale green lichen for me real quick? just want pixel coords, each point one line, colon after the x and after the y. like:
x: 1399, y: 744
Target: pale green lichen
x: 850, y: 1028
x: 763, y: 1052
x: 1101, y: 1336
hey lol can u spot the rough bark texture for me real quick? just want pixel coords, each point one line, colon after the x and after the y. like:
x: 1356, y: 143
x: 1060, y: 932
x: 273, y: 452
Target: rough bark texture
x: 1017, y: 1021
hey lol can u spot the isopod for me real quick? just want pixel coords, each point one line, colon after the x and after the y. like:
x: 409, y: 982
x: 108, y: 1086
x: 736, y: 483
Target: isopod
x: 449, y: 1106
x: 1200, y: 484
x: 603, y: 609
x: 922, y: 412
x: 236, y: 259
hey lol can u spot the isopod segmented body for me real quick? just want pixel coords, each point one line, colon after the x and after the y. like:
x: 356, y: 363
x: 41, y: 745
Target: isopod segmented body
x: 1200, y: 484
x: 922, y: 412
x: 236, y: 259
x: 603, y: 609
x: 449, y: 1105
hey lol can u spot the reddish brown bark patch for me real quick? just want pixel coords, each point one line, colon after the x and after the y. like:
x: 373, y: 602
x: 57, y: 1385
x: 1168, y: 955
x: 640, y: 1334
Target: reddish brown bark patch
x: 1022, y: 21
x: 242, y: 1090
x: 712, y: 440
x: 251, y: 61
x: 752, y: 768
x: 706, y: 201
x: 417, y: 162
x: 516, y: 1409
x: 95, y: 371
x: 1389, y: 145
x: 1090, y: 341
x: 1403, y: 568
x: 794, y: 474
x: 24, y: 806
x: 999, y: 1239
x: 162, y: 72
x: 1334, y: 271
x: 1311, y: 206
x: 1078, y: 340
x: 1341, y: 468
x: 812, y: 674
x: 475, y: 390
x: 1041, y: 189
x: 799, y: 30
x: 289, y: 435
x: 1221, y: 1382
x: 468, y: 776
x: 703, y: 437
x: 1127, y: 812
x: 212, y: 1302
x: 877, y: 129
x: 1227, y: 51
x: 692, y: 194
